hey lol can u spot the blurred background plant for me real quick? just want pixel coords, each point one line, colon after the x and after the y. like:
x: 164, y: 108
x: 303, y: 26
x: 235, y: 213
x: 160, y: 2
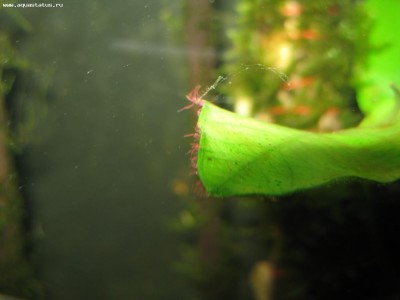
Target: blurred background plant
x: 18, y: 114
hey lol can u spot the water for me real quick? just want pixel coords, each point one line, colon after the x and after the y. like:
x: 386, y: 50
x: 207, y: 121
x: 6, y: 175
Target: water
x: 99, y: 167
x: 105, y: 168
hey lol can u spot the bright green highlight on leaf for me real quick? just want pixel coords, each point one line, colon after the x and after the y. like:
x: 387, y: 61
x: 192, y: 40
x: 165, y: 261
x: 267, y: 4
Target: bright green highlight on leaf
x: 375, y: 97
x: 242, y: 156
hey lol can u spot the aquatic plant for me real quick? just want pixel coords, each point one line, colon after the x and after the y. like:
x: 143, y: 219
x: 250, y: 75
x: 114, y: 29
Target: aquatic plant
x: 240, y: 156
x: 313, y: 127
x: 236, y: 155
x: 17, y: 277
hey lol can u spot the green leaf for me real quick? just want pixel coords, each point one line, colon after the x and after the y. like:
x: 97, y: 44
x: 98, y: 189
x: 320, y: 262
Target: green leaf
x: 242, y: 156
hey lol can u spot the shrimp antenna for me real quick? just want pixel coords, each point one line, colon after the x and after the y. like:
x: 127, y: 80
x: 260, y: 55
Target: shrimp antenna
x: 213, y: 86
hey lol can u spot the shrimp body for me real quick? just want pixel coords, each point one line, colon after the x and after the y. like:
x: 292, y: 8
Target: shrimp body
x: 193, y: 97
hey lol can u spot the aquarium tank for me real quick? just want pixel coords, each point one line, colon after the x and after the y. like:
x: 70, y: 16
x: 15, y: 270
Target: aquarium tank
x: 199, y: 149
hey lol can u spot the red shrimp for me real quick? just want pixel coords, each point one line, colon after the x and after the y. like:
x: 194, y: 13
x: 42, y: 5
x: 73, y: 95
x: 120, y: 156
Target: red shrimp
x: 193, y: 97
